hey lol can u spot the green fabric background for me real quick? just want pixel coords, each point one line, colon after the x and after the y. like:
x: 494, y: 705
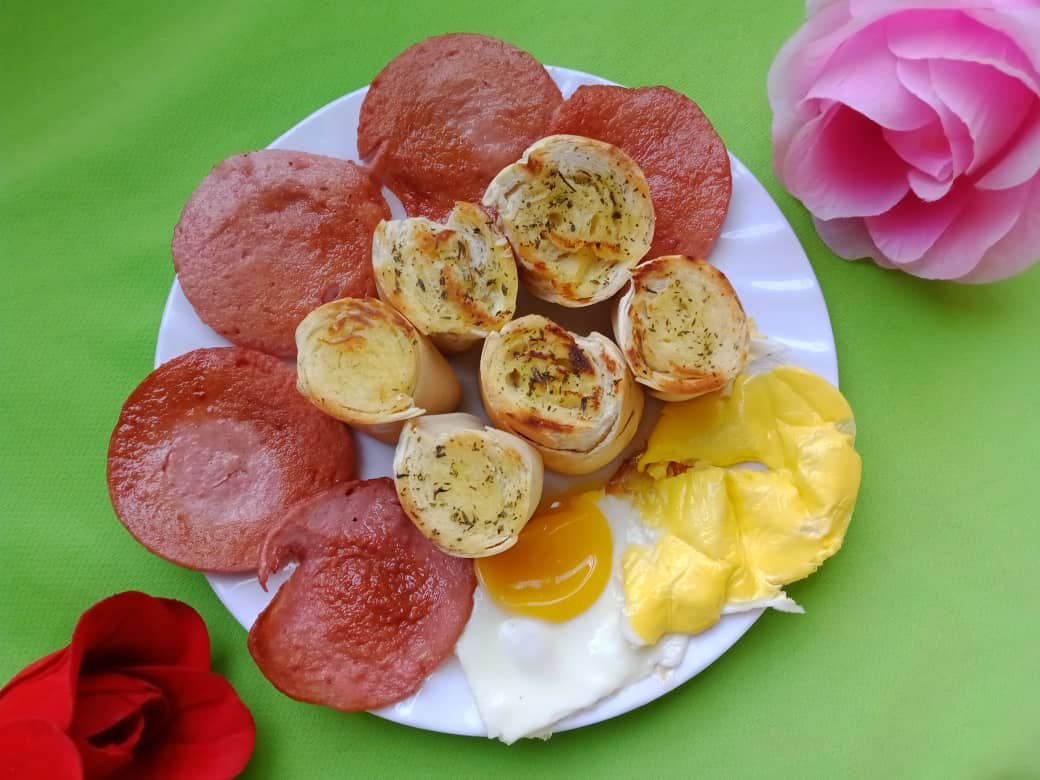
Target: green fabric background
x: 919, y: 653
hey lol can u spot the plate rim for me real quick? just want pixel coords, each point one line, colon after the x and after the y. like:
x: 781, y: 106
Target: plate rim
x: 736, y: 624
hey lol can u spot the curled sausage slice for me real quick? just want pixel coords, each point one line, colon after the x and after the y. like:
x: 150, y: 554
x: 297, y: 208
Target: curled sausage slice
x: 372, y: 608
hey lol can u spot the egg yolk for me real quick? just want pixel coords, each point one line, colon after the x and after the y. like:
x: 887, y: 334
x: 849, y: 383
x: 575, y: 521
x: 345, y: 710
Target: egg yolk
x: 559, y: 565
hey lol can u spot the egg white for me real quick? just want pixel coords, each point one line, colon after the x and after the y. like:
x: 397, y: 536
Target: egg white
x: 527, y: 674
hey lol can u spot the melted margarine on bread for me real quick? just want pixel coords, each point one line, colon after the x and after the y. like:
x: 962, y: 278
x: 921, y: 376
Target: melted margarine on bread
x: 363, y: 363
x: 579, y: 216
x: 572, y: 397
x: 469, y: 488
x: 681, y: 327
x: 455, y: 282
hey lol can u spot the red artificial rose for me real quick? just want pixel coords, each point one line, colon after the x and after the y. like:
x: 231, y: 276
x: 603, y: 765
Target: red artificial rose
x: 131, y: 696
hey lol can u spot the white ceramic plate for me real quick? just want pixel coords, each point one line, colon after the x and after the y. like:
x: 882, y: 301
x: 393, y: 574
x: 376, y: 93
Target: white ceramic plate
x: 759, y: 253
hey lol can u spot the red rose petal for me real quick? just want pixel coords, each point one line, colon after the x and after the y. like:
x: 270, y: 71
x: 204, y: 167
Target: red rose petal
x: 112, y: 711
x: 126, y: 629
x: 37, y: 749
x: 208, y: 733
x: 135, y: 692
x: 43, y: 690
x: 135, y: 628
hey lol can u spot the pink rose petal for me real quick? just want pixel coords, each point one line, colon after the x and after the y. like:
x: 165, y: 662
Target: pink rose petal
x: 952, y: 35
x: 1022, y: 161
x: 1015, y: 252
x: 796, y: 67
x: 813, y: 7
x: 987, y: 217
x: 848, y: 238
x: 926, y: 148
x: 827, y: 167
x: 906, y: 232
x: 927, y: 187
x: 991, y: 104
x: 1020, y: 21
x: 862, y: 75
x: 916, y: 77
x: 885, y: 7
x: 802, y: 59
x: 910, y: 129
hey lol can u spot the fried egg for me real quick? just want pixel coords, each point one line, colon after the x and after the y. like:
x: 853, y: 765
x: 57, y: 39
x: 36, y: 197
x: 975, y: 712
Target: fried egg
x: 603, y: 589
x: 549, y: 635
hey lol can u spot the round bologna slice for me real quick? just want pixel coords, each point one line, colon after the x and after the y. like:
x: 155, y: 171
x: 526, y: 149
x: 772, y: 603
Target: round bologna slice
x: 270, y: 235
x: 210, y: 451
x: 444, y: 116
x: 372, y: 608
x: 680, y: 153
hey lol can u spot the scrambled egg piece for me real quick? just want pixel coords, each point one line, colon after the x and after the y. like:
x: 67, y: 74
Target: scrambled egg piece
x: 732, y: 534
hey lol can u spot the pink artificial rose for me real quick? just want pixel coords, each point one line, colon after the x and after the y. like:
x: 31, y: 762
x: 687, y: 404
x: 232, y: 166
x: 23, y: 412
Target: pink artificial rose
x: 911, y: 130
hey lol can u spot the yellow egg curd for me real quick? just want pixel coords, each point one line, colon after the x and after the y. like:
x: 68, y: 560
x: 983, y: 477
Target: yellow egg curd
x: 763, y: 483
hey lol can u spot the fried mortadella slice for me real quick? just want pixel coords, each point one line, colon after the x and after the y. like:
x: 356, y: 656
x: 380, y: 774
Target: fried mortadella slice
x: 572, y: 397
x: 445, y: 115
x: 468, y: 487
x: 365, y: 364
x: 372, y: 607
x: 455, y: 282
x: 681, y: 328
x: 579, y: 216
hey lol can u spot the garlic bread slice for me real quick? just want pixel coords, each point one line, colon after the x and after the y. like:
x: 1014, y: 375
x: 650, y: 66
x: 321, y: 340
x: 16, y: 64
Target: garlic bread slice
x: 572, y: 397
x: 362, y: 362
x: 469, y: 488
x: 681, y: 327
x: 578, y: 214
x: 455, y: 282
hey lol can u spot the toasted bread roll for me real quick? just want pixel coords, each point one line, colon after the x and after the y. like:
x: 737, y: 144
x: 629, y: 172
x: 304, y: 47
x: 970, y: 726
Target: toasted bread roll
x: 681, y: 327
x: 579, y: 216
x: 573, y: 398
x: 468, y: 487
x: 363, y: 363
x: 455, y: 282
